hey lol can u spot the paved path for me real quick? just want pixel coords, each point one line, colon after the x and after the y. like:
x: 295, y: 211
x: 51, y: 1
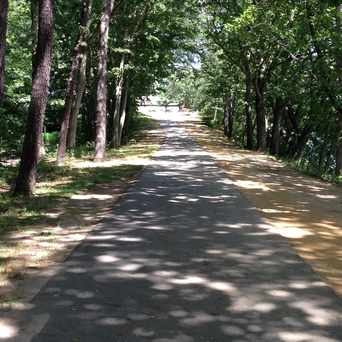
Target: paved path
x: 185, y: 258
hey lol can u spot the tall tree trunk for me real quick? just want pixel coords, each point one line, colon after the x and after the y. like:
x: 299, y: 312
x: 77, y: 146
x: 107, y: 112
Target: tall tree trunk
x: 248, y: 110
x: 260, y: 114
x: 338, y: 168
x: 88, y: 117
x: 123, y: 110
x: 129, y: 117
x: 26, y: 180
x: 229, y: 116
x: 118, y: 99
x: 277, y: 114
x: 3, y: 34
x: 81, y: 85
x: 226, y: 100
x: 34, y: 39
x: 78, y: 54
x: 101, y: 101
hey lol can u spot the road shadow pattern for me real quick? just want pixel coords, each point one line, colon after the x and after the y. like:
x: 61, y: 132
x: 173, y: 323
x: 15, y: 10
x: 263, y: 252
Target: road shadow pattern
x: 185, y: 257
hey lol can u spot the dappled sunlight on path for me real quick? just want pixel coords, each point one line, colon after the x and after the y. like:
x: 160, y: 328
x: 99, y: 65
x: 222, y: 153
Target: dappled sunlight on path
x: 68, y: 203
x: 304, y: 209
x: 184, y: 257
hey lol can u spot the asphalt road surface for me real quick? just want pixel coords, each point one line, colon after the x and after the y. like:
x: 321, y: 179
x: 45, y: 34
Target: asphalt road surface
x: 184, y: 257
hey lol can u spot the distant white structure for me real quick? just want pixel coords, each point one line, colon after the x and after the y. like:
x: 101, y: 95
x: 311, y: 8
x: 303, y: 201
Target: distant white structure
x: 153, y: 100
x: 156, y: 101
x: 172, y: 113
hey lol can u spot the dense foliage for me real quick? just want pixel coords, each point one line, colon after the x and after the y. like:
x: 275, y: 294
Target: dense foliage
x: 271, y: 75
x: 144, y: 43
x: 269, y: 72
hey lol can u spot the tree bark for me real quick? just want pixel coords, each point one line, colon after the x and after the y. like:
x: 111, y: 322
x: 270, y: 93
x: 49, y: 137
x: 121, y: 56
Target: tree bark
x: 248, y: 110
x: 228, y: 116
x: 123, y: 114
x: 88, y: 117
x: 101, y: 102
x: 81, y: 85
x: 277, y: 114
x: 78, y: 55
x: 26, y: 180
x: 3, y: 35
x: 338, y: 168
x: 34, y: 39
x: 302, y: 140
x: 260, y: 114
x: 116, y: 142
x: 231, y: 119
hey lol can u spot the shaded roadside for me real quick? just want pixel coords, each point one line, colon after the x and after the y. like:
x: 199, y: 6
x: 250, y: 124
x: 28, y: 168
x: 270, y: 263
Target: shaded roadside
x: 305, y: 210
x: 43, y: 232
x: 183, y: 257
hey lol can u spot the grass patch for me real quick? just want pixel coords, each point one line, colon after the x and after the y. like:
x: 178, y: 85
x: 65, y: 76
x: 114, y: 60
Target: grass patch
x: 37, y: 228
x: 137, y: 143
x: 56, y: 184
x: 132, y: 150
x: 52, y: 207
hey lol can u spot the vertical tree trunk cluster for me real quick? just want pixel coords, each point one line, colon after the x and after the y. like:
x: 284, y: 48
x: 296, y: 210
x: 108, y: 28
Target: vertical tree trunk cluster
x: 101, y: 107
x: 40, y: 88
x: 77, y: 68
x: 3, y: 34
x: 130, y: 30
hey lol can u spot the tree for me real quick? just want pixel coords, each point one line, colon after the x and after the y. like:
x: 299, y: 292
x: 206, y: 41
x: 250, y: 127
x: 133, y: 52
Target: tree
x: 338, y: 168
x: 101, y: 102
x: 26, y: 179
x: 80, y: 88
x: 77, y: 67
x: 116, y: 142
x: 133, y: 18
x: 156, y: 32
x: 228, y: 118
x: 3, y: 34
x: 277, y: 110
x: 289, y: 54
